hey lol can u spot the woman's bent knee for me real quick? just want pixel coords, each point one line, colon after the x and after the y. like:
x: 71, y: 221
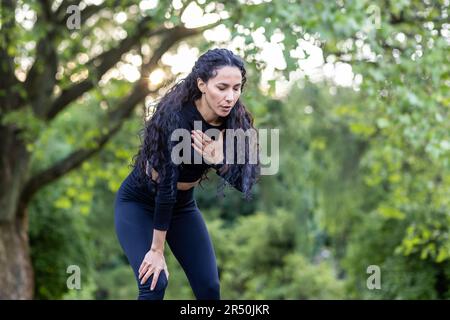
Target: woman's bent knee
x: 209, y: 291
x: 145, y: 293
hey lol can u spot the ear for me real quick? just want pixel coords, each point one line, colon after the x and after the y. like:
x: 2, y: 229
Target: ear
x: 201, y: 85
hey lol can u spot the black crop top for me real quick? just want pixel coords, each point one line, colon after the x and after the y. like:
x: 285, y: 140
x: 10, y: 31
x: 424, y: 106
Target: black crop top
x: 184, y: 172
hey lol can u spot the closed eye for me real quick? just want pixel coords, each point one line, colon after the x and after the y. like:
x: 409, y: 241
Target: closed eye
x: 235, y: 89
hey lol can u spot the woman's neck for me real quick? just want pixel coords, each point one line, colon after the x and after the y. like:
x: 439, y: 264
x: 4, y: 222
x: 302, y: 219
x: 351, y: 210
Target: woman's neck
x: 209, y: 115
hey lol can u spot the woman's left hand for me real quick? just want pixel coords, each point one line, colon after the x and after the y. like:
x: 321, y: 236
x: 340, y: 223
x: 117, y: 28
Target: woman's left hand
x: 211, y: 150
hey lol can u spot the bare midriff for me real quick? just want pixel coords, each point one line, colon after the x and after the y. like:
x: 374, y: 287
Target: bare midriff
x: 180, y: 185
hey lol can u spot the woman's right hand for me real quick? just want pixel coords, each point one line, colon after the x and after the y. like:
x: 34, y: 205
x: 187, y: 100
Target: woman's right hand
x: 153, y: 262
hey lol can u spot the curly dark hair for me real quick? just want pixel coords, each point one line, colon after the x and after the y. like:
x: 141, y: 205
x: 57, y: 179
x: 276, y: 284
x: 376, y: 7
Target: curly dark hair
x: 166, y: 118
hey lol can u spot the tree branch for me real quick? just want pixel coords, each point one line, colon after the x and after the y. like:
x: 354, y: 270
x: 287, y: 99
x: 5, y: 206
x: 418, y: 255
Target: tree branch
x: 113, y: 121
x: 9, y: 83
x: 41, y: 80
x: 41, y: 77
x: 100, y: 64
x: 108, y: 59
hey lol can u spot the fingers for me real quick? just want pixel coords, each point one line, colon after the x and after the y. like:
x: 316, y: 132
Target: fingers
x: 155, y: 279
x: 204, y: 145
x: 201, y: 138
x: 200, y: 151
x: 149, y: 267
x: 198, y: 141
x: 197, y: 144
x: 156, y: 273
x: 147, y: 275
x: 143, y: 268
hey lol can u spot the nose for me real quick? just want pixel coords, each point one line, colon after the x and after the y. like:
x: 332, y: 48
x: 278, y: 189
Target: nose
x: 229, y: 97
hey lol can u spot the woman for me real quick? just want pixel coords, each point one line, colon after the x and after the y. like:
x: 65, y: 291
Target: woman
x: 156, y: 201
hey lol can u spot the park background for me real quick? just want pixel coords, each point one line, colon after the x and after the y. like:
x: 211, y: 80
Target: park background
x: 359, y: 91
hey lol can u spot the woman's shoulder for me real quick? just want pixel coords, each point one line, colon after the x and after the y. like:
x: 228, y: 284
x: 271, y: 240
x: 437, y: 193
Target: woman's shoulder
x: 173, y: 119
x: 182, y: 117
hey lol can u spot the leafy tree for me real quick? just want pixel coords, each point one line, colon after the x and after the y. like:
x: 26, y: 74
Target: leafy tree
x: 67, y: 68
x: 396, y: 133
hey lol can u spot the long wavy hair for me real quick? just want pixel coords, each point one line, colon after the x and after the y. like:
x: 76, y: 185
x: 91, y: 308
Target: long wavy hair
x: 155, y: 136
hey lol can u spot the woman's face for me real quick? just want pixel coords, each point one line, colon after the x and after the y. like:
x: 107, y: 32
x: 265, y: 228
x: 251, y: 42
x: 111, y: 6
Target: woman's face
x: 222, y: 91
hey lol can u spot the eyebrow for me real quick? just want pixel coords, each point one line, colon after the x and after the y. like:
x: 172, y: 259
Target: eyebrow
x: 226, y: 84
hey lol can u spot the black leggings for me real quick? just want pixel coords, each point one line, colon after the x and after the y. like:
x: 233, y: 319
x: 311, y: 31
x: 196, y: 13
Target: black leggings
x: 187, y: 238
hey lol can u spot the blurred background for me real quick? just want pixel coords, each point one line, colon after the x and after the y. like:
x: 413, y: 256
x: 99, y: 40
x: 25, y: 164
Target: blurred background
x: 359, y: 91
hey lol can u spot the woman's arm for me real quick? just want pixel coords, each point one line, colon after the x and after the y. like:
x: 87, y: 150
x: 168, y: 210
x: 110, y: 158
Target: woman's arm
x: 166, y: 195
x: 159, y: 238
x: 154, y: 261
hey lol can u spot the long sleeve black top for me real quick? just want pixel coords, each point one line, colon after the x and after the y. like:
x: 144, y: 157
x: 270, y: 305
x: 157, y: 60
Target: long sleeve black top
x: 184, y: 172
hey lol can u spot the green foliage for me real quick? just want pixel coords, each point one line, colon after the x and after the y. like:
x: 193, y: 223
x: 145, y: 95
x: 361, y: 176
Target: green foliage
x: 258, y: 260
x: 26, y: 123
x: 59, y: 238
x: 364, y: 174
x: 403, y: 276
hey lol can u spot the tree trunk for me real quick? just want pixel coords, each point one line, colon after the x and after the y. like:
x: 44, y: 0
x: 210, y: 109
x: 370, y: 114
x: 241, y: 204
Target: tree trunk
x: 16, y: 272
